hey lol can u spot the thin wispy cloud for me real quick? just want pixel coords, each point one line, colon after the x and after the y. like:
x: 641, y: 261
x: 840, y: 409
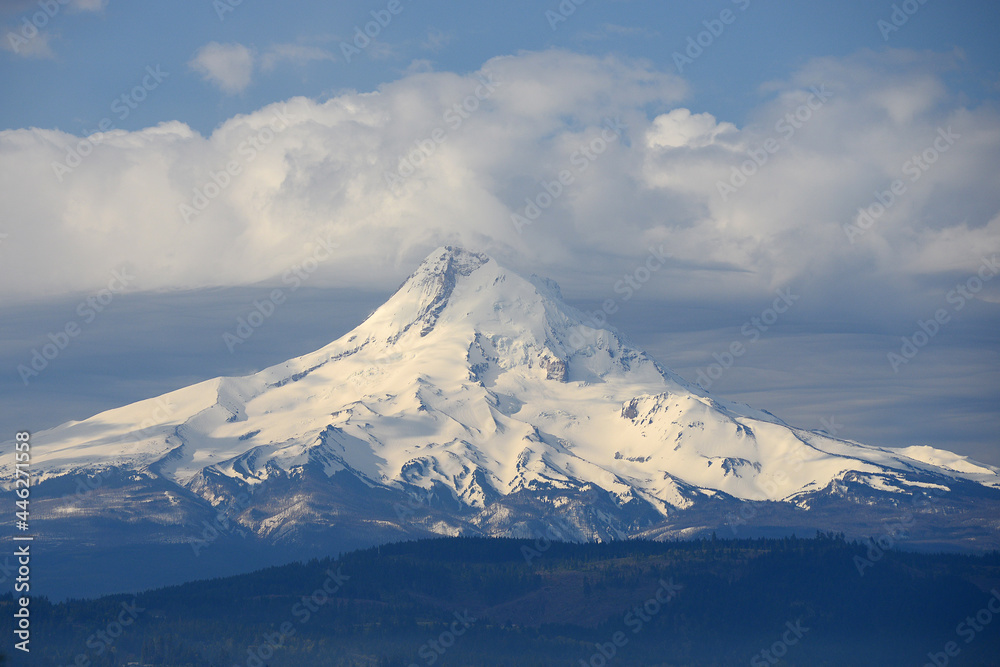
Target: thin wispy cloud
x: 436, y: 40
x: 294, y: 54
x: 87, y: 5
x: 32, y: 36
x: 39, y: 46
x: 612, y: 30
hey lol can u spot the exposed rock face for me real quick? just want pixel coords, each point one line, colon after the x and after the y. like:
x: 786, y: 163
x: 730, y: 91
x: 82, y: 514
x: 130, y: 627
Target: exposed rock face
x: 474, y: 401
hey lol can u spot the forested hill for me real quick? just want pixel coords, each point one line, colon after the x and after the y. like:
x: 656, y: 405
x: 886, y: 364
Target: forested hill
x: 477, y: 601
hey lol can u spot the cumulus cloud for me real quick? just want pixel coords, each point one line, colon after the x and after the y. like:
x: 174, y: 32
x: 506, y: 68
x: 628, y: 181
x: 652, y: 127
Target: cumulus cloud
x: 228, y: 66
x: 680, y: 128
x: 438, y: 157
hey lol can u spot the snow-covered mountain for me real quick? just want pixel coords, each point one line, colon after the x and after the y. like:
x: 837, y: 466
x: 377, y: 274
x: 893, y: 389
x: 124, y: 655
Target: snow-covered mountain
x: 476, y: 401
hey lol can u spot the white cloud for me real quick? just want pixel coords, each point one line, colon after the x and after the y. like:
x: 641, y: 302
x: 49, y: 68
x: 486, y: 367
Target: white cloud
x: 38, y: 45
x: 31, y: 36
x: 682, y: 129
x: 88, y: 5
x: 20, y: 6
x: 325, y: 174
x: 613, y: 31
x: 297, y: 54
x: 436, y: 40
x: 228, y: 66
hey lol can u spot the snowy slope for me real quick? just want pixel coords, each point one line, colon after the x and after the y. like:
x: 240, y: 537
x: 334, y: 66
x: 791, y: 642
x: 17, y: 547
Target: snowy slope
x: 477, y: 380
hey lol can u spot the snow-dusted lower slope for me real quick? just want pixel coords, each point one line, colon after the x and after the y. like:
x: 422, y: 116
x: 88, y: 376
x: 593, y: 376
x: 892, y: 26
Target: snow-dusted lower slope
x: 484, y: 390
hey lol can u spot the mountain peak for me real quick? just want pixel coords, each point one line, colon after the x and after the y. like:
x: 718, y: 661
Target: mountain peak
x: 424, y: 295
x: 479, y: 389
x: 451, y: 260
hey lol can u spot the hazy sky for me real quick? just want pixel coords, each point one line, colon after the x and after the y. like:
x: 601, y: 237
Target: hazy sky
x: 844, y: 153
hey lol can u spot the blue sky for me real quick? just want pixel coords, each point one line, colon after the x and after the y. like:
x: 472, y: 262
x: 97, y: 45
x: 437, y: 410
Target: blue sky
x: 848, y: 151
x: 96, y: 50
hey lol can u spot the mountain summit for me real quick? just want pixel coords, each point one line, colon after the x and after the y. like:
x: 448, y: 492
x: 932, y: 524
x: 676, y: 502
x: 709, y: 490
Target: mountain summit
x: 475, y: 401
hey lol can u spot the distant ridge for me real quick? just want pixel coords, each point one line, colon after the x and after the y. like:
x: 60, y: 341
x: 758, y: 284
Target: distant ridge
x: 475, y: 401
